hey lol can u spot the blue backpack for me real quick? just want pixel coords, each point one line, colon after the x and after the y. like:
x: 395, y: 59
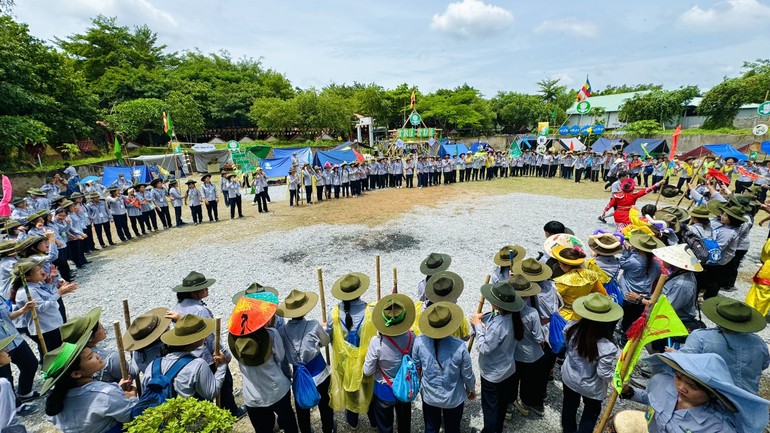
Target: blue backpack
x: 305, y: 392
x: 556, y: 332
x: 406, y: 384
x: 161, y: 386
x: 613, y: 290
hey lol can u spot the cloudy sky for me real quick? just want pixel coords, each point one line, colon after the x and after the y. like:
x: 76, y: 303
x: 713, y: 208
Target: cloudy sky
x: 490, y: 44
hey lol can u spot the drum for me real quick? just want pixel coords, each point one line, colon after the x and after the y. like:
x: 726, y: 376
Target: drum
x: 629, y: 421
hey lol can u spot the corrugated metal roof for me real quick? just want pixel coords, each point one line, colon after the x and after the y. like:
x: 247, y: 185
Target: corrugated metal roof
x: 609, y: 102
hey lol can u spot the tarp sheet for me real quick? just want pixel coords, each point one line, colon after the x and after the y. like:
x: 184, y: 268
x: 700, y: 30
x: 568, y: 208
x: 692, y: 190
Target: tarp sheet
x: 528, y: 142
x: 203, y: 159
x: 652, y: 146
x: 766, y: 146
x: 168, y: 162
x: 111, y: 174
x: 478, y: 146
x: 344, y: 146
x: 452, y: 150
x: 276, y: 167
x: 576, y: 144
x: 304, y: 155
x: 726, y: 151
x: 334, y: 157
x: 259, y: 150
x: 604, y: 144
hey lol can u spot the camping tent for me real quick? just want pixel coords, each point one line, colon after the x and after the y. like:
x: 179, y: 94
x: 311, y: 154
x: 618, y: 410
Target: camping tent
x: 478, y: 146
x: 344, y: 146
x: 203, y: 159
x: 138, y: 173
x: 763, y: 147
x: 604, y: 144
x: 723, y: 150
x: 276, y: 167
x: 169, y: 162
x: 650, y: 145
x: 452, y: 150
x: 334, y: 157
x: 572, y: 144
x: 304, y: 155
x: 259, y: 150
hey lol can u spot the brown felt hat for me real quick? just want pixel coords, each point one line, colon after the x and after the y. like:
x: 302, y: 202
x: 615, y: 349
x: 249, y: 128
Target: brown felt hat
x: 350, y: 286
x: 146, y: 329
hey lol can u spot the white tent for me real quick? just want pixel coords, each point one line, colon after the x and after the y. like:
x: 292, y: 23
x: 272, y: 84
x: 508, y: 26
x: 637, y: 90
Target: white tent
x: 245, y: 139
x: 216, y: 140
x: 574, y: 143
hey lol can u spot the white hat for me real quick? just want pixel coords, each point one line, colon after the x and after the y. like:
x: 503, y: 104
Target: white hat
x: 680, y: 256
x: 619, y: 160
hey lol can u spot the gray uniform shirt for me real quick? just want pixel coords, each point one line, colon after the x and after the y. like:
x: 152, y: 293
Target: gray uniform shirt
x: 529, y: 349
x: 194, y: 197
x: 447, y: 373
x: 496, y: 347
x: 95, y: 407
x: 303, y: 340
x: 265, y: 385
x: 195, y: 379
x: 383, y: 356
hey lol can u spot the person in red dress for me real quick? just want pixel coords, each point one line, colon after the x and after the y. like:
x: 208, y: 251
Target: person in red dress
x: 624, y: 200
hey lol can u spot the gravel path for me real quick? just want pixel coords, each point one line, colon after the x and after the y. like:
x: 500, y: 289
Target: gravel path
x: 470, y: 230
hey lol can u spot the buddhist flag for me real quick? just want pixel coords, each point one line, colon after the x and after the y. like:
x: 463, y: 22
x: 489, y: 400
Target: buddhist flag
x: 168, y: 125
x: 585, y: 91
x: 662, y: 322
x: 118, y: 152
x: 412, y: 99
x: 674, y: 142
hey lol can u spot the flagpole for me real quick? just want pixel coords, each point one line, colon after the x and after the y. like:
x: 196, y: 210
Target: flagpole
x: 629, y: 355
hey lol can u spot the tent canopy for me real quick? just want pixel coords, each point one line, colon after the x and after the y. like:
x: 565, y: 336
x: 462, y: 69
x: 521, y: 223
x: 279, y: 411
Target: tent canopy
x: 576, y: 144
x: 304, y: 155
x: 344, y: 146
x: 452, y: 150
x: 259, y: 150
x: 478, y: 146
x: 276, y: 167
x: 111, y: 174
x: 334, y: 157
x: 726, y: 151
x: 651, y: 145
x: 605, y: 144
x: 168, y: 162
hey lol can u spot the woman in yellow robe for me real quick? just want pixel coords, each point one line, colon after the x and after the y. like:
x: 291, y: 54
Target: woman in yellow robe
x: 577, y: 281
x: 759, y: 294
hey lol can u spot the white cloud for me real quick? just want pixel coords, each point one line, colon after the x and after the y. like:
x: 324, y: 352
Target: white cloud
x: 472, y: 18
x: 727, y: 15
x: 570, y: 26
x: 564, y: 78
x: 142, y: 11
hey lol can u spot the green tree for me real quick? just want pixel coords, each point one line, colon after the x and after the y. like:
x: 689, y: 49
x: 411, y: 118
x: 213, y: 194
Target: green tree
x: 138, y: 116
x: 462, y: 108
x: 642, y: 128
x: 626, y: 88
x: 274, y: 114
x: 721, y: 103
x: 517, y: 112
x: 186, y: 113
x: 660, y: 105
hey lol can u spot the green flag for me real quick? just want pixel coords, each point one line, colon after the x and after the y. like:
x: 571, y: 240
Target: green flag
x: 118, y: 153
x: 553, y: 115
x: 515, y: 149
x: 168, y: 125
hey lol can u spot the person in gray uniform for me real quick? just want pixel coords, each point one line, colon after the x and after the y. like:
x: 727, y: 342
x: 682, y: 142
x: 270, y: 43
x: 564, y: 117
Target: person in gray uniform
x: 193, y: 198
x: 100, y: 214
x: 210, y: 197
x: 159, y: 194
x: 119, y: 214
x: 176, y: 201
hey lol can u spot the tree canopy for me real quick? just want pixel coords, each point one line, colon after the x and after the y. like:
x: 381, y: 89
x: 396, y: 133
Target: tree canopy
x: 721, y: 103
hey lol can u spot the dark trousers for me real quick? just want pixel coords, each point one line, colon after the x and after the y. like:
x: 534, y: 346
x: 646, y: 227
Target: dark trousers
x: 134, y: 220
x: 433, y: 416
x: 656, y: 179
x: 319, y: 192
x: 105, y: 227
x: 88, y: 242
x: 263, y: 418
x: 177, y: 216
x: 730, y: 273
x: 293, y: 197
x: 352, y: 418
x: 212, y: 209
x: 530, y: 382
x: 594, y: 175
x: 742, y: 186
x: 150, y: 219
x: 337, y: 191
x: 579, y: 174
x: 309, y: 193
x: 346, y: 189
x: 165, y: 216
x: 494, y: 403
x: 591, y: 410
x: 261, y: 200
x: 76, y: 252
x: 61, y: 263
x: 197, y: 214
x: 121, y: 226
x: 383, y: 415
x: 409, y: 180
x: 24, y: 359
x: 235, y: 202
x: 709, y: 280
x: 328, y: 191
x: 226, y: 396
x: 475, y: 173
x: 52, y: 341
x: 682, y: 180
x: 327, y: 414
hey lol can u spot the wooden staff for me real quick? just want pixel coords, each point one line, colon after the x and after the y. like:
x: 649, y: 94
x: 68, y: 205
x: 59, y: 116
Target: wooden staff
x: 629, y: 355
x: 395, y: 280
x: 377, y: 262
x: 35, y: 319
x: 126, y: 314
x: 323, y: 305
x: 121, y: 352
x: 693, y: 173
x: 217, y: 337
x: 478, y: 311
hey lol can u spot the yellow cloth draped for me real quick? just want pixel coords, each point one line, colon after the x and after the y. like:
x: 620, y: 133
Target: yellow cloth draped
x: 592, y: 266
x: 759, y: 294
x: 349, y: 388
x: 573, y: 285
x: 463, y: 332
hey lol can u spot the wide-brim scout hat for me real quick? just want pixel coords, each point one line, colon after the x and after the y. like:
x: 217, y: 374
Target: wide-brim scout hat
x: 75, y: 195
x: 172, y: 182
x: 605, y: 244
x: 297, y: 304
x: 17, y: 200
x: 645, y: 242
x: 12, y: 224
x: 733, y: 315
x: 254, y: 288
x: 503, y: 257
x: 736, y: 212
x: 565, y: 239
x: 156, y: 181
x: 56, y: 362
x: 523, y: 286
x: 76, y: 328
x: 532, y: 270
x: 701, y: 212
x: 146, y: 329
x: 65, y: 204
x: 394, y: 314
x: 204, y: 177
x: 503, y: 295
x: 669, y: 191
x: 680, y: 256
x: 92, y: 196
x: 715, y: 207
x: 597, y: 307
x: 36, y: 191
x: 188, y: 330
x: 252, y: 312
x: 189, y: 181
x: 252, y: 350
x: 444, y: 286
x: 8, y: 246
x: 230, y: 176
x: 670, y: 219
x: 678, y: 212
x: 435, y: 262
x: 193, y: 282
x: 558, y: 253
x: 139, y: 185
x: 440, y: 320
x: 350, y: 286
x: 111, y: 189
x: 23, y: 266
x: 671, y: 361
x: 630, y: 421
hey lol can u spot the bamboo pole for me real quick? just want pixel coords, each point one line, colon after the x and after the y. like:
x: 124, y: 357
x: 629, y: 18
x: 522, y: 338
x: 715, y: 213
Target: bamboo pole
x: 323, y: 305
x: 395, y: 280
x: 478, y: 311
x: 629, y: 355
x: 377, y: 265
x: 35, y: 319
x: 126, y: 314
x: 217, y: 338
x: 121, y: 350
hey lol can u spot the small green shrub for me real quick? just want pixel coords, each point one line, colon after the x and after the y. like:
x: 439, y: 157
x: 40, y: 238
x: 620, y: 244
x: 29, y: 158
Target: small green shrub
x: 70, y: 150
x: 183, y: 415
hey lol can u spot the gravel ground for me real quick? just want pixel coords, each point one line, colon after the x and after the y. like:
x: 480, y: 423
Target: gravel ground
x: 471, y: 231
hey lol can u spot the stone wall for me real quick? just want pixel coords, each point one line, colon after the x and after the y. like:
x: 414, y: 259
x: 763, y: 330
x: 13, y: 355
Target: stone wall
x: 24, y: 181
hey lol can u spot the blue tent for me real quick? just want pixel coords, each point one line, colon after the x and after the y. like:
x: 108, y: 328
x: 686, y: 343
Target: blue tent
x: 651, y: 145
x: 333, y: 157
x: 766, y: 146
x: 604, y: 144
x: 528, y: 142
x: 139, y: 174
x: 478, y: 146
x: 452, y: 150
x: 726, y: 151
x: 276, y: 167
x: 344, y: 146
x: 304, y: 155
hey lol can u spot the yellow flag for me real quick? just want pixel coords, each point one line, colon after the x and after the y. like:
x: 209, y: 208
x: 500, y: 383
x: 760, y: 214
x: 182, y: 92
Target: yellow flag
x: 542, y: 128
x: 661, y: 323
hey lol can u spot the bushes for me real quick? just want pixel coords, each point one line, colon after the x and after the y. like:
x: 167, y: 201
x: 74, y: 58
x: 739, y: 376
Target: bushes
x: 183, y: 415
